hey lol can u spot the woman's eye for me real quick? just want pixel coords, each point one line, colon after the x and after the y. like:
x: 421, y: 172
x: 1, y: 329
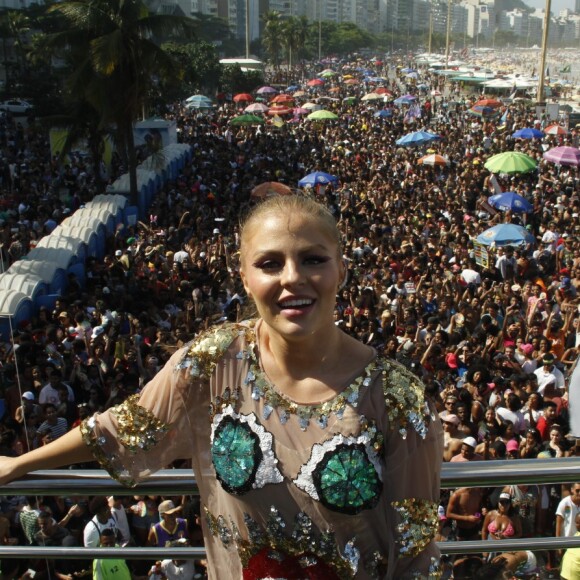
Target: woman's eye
x: 268, y: 265
x: 316, y: 259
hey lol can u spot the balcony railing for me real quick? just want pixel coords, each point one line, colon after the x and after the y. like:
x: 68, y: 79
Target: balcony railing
x: 182, y: 481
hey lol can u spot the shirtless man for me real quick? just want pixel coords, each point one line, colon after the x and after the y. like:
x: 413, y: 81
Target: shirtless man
x: 452, y: 437
x: 465, y: 508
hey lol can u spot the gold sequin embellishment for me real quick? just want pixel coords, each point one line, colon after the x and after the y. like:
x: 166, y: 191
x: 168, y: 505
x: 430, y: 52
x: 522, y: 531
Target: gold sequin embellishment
x: 404, y: 399
x: 418, y: 525
x: 138, y: 428
x: 207, y: 350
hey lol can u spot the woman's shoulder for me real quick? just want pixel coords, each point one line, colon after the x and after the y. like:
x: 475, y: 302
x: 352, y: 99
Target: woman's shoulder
x: 203, y: 353
x: 404, y: 395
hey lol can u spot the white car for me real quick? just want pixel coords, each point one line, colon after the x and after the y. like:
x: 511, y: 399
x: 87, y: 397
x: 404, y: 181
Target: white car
x: 16, y: 106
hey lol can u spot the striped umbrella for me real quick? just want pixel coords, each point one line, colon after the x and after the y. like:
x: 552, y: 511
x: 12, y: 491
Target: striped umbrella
x: 556, y: 129
x: 434, y: 160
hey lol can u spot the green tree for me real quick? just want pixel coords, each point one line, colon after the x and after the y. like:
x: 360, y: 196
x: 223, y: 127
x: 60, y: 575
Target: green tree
x: 116, y: 63
x: 272, y: 36
x: 201, y: 70
x: 347, y: 37
x: 290, y: 38
x: 234, y: 80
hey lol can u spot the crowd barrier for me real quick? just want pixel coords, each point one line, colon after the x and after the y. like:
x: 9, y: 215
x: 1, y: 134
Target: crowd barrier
x: 182, y: 481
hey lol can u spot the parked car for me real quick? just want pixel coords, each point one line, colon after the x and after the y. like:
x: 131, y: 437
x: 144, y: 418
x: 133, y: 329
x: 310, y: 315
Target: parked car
x: 16, y: 106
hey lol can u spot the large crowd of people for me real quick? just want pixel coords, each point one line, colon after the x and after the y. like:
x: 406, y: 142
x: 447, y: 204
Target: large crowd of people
x: 493, y: 333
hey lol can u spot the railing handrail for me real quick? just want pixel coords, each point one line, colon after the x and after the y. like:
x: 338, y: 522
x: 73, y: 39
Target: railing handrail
x: 182, y: 481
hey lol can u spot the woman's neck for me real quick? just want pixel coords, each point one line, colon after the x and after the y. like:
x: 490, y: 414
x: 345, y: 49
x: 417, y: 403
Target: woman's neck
x: 301, y: 357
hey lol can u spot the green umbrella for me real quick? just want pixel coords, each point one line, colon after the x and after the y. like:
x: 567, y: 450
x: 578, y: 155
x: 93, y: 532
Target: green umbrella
x: 349, y: 100
x: 322, y: 115
x: 510, y: 162
x: 247, y: 120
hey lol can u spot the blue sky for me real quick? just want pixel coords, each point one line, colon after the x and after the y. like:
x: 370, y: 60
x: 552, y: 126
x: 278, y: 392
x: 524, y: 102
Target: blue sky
x: 557, y: 5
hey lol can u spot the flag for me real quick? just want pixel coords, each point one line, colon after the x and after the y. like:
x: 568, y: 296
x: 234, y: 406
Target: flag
x: 567, y: 69
x: 277, y: 121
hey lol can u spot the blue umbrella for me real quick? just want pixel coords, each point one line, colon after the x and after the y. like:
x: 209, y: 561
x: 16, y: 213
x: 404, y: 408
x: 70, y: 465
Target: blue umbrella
x: 292, y: 88
x: 510, y: 200
x: 528, y: 133
x: 383, y: 113
x: 417, y: 138
x: 317, y: 178
x: 506, y: 235
x: 405, y: 100
x: 408, y: 70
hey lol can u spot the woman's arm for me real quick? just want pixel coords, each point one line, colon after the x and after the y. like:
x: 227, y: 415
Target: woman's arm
x: 66, y: 450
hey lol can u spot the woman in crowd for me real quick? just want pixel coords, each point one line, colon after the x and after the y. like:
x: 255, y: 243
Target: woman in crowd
x: 313, y: 445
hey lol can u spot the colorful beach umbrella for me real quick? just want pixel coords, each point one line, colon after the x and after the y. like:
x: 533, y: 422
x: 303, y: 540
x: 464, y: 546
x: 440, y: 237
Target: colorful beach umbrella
x: 510, y: 162
x: 494, y: 103
x: 243, y: 98
x: 322, y: 115
x: 266, y: 91
x: 417, y: 138
x: 434, y: 160
x: 405, y: 100
x: 282, y: 99
x: 556, y: 129
x: 279, y: 110
x: 482, y: 111
x: 383, y: 114
x: 510, y: 201
x: 372, y: 97
x: 317, y: 178
x: 315, y: 83
x: 256, y: 108
x: 506, y: 235
x: 563, y: 155
x: 528, y: 133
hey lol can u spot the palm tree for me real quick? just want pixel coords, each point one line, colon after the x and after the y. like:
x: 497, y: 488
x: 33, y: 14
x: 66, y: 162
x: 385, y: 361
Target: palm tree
x: 116, y: 61
x: 290, y: 37
x: 272, y: 37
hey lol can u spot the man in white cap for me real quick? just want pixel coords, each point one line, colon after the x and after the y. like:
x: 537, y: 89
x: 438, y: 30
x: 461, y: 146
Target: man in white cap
x: 28, y: 409
x: 467, y: 452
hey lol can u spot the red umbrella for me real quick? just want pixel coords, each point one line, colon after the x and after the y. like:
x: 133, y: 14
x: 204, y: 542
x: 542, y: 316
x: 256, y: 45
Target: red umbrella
x: 243, y: 97
x: 282, y: 99
x: 488, y: 103
x: 556, y: 129
x: 383, y: 91
x: 315, y: 83
x: 279, y: 110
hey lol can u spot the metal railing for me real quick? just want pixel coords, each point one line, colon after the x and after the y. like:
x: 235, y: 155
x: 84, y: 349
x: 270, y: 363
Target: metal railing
x: 182, y: 481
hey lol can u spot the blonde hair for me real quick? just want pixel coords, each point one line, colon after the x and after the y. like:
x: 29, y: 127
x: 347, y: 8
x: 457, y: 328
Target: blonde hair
x: 290, y: 205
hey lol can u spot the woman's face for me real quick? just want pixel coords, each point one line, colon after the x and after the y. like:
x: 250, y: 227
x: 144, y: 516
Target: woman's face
x: 291, y: 268
x: 489, y: 415
x: 530, y: 439
x: 509, y: 431
x: 476, y: 376
x: 555, y: 436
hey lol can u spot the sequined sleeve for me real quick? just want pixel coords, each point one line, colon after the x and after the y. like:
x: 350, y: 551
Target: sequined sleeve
x: 413, y: 452
x: 149, y: 431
